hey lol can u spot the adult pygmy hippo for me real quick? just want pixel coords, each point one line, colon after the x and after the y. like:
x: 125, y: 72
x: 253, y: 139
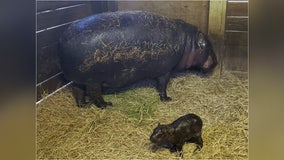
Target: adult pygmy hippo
x: 173, y: 136
x: 113, y: 50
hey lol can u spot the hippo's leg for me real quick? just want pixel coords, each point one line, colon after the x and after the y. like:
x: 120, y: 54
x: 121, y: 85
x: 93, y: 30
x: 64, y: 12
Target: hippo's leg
x: 79, y: 93
x: 170, y: 146
x: 155, y: 147
x: 173, y: 148
x: 162, y: 83
x: 95, y: 94
x: 177, y: 148
x: 198, y: 141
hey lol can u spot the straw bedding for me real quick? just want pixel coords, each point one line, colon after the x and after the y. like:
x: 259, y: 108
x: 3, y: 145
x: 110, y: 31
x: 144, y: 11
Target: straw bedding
x: 122, y: 131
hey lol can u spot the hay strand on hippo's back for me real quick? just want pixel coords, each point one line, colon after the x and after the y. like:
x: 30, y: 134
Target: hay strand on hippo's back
x: 122, y: 131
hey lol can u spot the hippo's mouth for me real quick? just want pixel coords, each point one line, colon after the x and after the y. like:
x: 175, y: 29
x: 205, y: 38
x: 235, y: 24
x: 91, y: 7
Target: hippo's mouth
x: 203, y: 72
x: 206, y: 71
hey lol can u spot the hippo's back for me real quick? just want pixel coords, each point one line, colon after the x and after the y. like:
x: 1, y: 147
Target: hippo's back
x: 121, y: 47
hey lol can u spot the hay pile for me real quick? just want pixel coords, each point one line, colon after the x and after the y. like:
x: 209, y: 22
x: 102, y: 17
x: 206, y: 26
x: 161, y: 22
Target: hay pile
x: 123, y: 131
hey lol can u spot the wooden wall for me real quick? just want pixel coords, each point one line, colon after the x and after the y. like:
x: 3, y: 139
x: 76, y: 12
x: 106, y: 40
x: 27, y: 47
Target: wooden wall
x: 53, y: 17
x: 235, y: 58
x: 194, y: 12
x: 228, y: 30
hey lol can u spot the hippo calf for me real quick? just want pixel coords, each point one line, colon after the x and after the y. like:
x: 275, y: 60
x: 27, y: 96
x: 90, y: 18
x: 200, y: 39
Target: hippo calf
x: 116, y: 49
x: 173, y: 136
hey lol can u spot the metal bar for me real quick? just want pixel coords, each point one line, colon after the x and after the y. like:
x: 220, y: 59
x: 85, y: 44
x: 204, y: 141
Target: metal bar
x: 44, y: 98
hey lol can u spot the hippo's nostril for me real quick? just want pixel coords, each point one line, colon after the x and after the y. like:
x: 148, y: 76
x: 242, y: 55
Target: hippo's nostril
x: 208, y: 63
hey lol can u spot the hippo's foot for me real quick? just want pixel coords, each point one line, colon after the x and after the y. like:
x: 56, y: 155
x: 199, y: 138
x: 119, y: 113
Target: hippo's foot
x: 165, y: 98
x: 102, y: 104
x: 180, y: 154
x: 155, y: 147
x: 162, y: 87
x: 79, y: 93
x: 198, y: 148
x: 173, y: 149
x: 198, y: 141
x: 83, y: 104
x: 177, y: 149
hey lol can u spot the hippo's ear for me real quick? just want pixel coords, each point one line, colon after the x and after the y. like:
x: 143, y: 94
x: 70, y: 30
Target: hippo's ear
x: 201, y: 40
x: 159, y: 124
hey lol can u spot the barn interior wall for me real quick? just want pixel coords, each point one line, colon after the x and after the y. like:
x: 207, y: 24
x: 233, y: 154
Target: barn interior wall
x: 235, y: 58
x: 53, y: 17
x: 194, y: 12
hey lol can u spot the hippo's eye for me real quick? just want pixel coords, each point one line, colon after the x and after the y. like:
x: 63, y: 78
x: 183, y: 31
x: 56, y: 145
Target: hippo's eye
x: 201, y: 42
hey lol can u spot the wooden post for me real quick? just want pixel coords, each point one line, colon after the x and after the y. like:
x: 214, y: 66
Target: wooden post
x: 217, y: 17
x: 216, y: 30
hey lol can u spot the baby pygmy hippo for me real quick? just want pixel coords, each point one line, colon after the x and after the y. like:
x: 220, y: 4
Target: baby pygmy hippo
x: 173, y: 136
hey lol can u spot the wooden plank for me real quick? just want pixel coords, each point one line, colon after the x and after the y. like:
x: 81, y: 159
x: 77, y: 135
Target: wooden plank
x: 237, y: 9
x: 237, y: 1
x: 236, y: 38
x: 52, y: 5
x: 58, y: 17
x: 99, y: 6
x: 47, y: 62
x: 235, y: 58
x: 50, y: 85
x: 217, y: 17
x: 238, y: 24
x: 193, y: 12
x: 54, y: 22
x: 112, y: 6
x: 219, y: 49
x: 50, y: 36
x: 240, y: 74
